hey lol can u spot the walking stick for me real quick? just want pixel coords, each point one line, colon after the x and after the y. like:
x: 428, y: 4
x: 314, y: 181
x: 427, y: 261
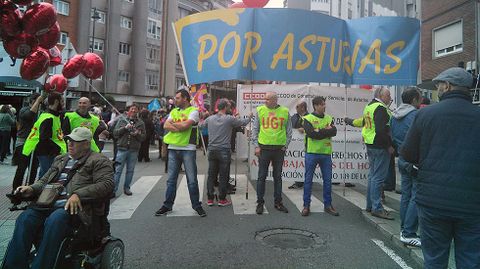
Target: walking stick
x: 29, y: 169
x: 345, y: 142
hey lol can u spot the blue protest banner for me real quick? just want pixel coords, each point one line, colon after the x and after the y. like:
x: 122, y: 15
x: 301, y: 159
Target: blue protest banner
x: 297, y: 46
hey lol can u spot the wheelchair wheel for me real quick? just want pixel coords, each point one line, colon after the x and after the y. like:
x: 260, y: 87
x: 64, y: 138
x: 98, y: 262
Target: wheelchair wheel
x: 113, y: 255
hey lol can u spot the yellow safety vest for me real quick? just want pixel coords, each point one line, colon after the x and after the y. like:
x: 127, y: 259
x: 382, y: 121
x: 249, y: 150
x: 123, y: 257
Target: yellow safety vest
x: 323, y: 146
x: 368, y: 130
x: 273, y: 125
x: 34, y: 136
x: 78, y: 121
x: 189, y: 136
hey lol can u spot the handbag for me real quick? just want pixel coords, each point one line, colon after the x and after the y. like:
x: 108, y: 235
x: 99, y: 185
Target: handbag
x: 49, y: 195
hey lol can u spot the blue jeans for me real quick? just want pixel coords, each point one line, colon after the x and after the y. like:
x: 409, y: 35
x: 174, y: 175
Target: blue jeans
x: 379, y: 160
x: 276, y: 156
x: 391, y: 180
x: 325, y: 162
x: 218, y: 165
x: 45, y: 161
x: 437, y: 232
x: 55, y: 225
x: 128, y: 157
x: 175, y: 160
x: 408, y: 207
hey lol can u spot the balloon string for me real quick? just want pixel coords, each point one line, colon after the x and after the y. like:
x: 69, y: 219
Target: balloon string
x: 105, y: 99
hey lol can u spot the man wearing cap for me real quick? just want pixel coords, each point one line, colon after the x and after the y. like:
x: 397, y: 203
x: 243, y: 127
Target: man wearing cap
x: 443, y: 143
x: 85, y: 174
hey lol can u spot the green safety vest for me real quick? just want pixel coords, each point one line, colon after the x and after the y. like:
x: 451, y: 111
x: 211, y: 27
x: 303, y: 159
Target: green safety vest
x: 368, y: 130
x: 273, y: 125
x: 183, y: 138
x: 34, y: 136
x: 323, y: 146
x: 78, y: 121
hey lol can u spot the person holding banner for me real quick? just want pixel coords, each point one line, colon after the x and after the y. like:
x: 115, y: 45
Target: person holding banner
x: 182, y: 139
x: 297, y: 124
x: 376, y: 135
x: 319, y: 130
x: 443, y: 143
x: 271, y: 134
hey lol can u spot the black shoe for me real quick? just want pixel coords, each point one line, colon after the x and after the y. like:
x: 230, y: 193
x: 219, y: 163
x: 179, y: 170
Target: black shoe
x: 147, y: 160
x: 295, y: 186
x: 281, y: 207
x: 162, y: 211
x: 398, y: 192
x: 349, y: 185
x: 127, y: 192
x: 259, y: 208
x: 201, y: 212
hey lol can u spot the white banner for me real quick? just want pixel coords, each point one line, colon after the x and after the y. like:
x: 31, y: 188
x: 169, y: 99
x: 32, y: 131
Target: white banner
x: 350, y: 162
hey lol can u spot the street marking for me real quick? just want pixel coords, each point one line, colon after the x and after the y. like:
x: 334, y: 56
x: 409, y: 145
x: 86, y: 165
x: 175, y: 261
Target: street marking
x: 391, y: 254
x: 296, y: 196
x: 124, y: 206
x: 242, y: 206
x: 354, y: 197
x: 183, y: 206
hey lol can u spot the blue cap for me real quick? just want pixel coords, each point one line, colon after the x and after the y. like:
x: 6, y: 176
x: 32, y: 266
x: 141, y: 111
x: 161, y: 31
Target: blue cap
x: 456, y: 76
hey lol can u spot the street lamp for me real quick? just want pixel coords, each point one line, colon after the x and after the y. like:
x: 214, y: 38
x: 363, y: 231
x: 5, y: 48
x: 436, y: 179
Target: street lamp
x: 95, y: 18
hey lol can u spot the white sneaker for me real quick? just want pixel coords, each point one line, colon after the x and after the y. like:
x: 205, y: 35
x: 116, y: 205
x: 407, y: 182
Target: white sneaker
x: 411, y: 241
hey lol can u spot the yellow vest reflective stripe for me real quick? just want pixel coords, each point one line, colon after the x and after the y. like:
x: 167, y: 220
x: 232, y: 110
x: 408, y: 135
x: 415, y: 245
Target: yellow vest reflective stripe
x: 368, y: 130
x: 78, y: 121
x: 323, y: 146
x: 34, y: 136
x: 273, y: 125
x: 186, y: 137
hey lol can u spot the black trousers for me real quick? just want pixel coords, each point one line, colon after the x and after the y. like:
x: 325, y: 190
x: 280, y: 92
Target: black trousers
x: 23, y: 162
x: 143, y: 151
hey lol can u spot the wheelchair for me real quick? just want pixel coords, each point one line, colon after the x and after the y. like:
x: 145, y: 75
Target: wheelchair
x: 87, y: 246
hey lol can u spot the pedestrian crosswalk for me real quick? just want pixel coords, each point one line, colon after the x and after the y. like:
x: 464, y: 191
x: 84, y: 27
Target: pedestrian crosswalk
x: 243, y: 201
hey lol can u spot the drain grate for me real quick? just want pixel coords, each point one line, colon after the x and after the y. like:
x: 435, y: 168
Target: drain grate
x: 288, y: 238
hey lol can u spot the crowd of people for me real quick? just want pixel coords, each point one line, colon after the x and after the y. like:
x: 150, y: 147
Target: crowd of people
x: 436, y: 148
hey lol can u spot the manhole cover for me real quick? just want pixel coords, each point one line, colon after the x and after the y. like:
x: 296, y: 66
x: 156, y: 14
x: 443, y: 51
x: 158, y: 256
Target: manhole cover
x: 287, y: 238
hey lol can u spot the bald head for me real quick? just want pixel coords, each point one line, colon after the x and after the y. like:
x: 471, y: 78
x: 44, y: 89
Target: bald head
x: 271, y: 100
x: 83, y: 105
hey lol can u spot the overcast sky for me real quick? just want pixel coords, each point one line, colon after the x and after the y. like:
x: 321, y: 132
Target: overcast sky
x: 271, y: 3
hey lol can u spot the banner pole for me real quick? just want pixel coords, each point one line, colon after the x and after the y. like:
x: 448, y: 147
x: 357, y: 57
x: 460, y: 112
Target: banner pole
x: 345, y: 141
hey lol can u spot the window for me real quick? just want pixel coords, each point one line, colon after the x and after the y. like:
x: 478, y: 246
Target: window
x: 153, y: 53
x: 124, y: 48
x: 126, y: 22
x: 183, y: 12
x: 97, y: 44
x: 448, y: 39
x: 62, y: 7
x: 124, y: 76
x: 153, y: 29
x: 152, y: 79
x: 155, y: 6
x: 102, y: 15
x: 63, y: 38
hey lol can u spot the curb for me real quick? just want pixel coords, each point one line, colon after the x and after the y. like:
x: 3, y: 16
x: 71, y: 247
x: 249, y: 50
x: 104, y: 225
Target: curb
x: 392, y: 235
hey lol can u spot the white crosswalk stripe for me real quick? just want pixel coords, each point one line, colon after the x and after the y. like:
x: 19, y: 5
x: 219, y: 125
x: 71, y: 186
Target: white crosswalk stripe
x: 296, y: 196
x: 354, y: 197
x: 124, y: 206
x: 183, y: 206
x: 242, y: 205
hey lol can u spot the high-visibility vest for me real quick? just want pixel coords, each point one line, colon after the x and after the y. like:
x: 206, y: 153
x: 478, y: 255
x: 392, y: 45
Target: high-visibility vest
x: 368, y: 130
x: 189, y: 136
x: 34, y: 136
x: 323, y: 146
x: 78, y: 121
x: 273, y: 125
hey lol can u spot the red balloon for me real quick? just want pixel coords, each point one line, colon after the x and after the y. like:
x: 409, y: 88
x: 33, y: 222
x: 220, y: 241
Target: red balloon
x: 237, y: 5
x: 50, y: 39
x: 57, y: 83
x: 93, y: 69
x: 255, y: 3
x: 10, y: 19
x: 39, y: 18
x: 55, y: 56
x: 34, y: 65
x: 21, y: 45
x: 74, y: 66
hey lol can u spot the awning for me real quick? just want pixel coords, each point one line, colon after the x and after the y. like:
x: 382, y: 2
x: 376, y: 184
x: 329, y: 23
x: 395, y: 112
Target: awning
x: 9, y: 82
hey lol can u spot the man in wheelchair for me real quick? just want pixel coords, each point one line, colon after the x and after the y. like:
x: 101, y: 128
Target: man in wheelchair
x: 78, y: 176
